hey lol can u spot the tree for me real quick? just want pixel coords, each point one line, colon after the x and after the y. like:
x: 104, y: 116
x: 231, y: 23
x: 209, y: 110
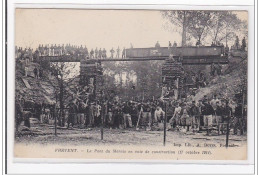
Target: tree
x: 219, y: 26
x: 224, y: 26
x: 190, y: 22
x: 62, y: 74
x: 145, y: 78
x: 179, y: 19
x: 198, y: 24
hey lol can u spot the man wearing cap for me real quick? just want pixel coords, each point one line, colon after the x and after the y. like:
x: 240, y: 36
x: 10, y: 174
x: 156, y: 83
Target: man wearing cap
x: 226, y: 112
x: 72, y: 113
x: 110, y: 121
x: 126, y: 115
x: 195, y: 114
x: 147, y: 116
x: 185, y: 116
x: 207, y: 112
x: 218, y: 113
x: 117, y: 114
x: 175, y: 120
x: 158, y: 114
x: 81, y: 114
x: 214, y: 101
x: 200, y: 106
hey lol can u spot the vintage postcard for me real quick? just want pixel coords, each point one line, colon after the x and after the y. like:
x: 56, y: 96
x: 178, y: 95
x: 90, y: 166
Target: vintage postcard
x: 131, y: 84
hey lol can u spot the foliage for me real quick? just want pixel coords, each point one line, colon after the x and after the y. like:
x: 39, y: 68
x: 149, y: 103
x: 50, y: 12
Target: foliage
x: 203, y: 25
x: 224, y: 26
x: 195, y: 22
x: 132, y: 80
x: 61, y: 72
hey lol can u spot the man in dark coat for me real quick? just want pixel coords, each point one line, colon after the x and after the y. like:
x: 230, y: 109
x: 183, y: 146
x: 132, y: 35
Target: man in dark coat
x: 126, y: 115
x: 207, y: 112
x: 195, y: 114
x: 238, y: 118
x: 72, y: 113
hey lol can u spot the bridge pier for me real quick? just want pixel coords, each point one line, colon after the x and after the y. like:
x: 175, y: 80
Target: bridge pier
x: 91, y: 76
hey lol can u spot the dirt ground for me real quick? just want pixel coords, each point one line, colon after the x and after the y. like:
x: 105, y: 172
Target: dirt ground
x: 44, y: 135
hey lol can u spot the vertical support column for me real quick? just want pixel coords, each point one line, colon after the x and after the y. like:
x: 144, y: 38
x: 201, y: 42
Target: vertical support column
x: 165, y: 122
x: 102, y: 121
x: 55, y: 120
x: 227, y: 134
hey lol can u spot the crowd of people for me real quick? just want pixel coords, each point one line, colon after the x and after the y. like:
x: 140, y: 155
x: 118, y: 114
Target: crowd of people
x: 181, y: 114
x: 59, y: 50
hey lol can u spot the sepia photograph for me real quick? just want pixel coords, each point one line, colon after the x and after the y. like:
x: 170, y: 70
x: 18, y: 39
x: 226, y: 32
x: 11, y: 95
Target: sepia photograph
x: 131, y: 84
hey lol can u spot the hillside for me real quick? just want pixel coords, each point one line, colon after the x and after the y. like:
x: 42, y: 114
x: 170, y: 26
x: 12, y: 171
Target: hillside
x: 228, y: 84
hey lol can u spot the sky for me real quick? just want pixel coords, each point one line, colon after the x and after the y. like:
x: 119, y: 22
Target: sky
x: 93, y: 28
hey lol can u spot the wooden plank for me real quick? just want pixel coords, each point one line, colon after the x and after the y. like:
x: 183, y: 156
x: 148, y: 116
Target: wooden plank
x: 26, y: 83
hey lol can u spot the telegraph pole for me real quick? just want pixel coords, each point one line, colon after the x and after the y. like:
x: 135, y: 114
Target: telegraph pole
x: 165, y: 122
x: 102, y: 121
x: 55, y: 119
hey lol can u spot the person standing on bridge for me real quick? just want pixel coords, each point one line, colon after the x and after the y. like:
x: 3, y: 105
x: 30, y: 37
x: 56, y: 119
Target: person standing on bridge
x: 112, y: 53
x: 123, y: 53
x: 170, y: 45
x: 100, y: 53
x: 174, y: 44
x: 157, y: 45
x: 92, y: 54
x: 104, y: 53
x: 96, y: 52
x: 117, y: 52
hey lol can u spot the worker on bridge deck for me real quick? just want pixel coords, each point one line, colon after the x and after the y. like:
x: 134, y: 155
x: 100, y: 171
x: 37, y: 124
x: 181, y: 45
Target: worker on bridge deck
x: 96, y: 52
x: 104, y: 53
x: 170, y: 45
x: 117, y: 52
x: 174, y: 44
x: 157, y: 45
x: 112, y: 53
x: 123, y: 53
x: 92, y: 54
x: 100, y: 53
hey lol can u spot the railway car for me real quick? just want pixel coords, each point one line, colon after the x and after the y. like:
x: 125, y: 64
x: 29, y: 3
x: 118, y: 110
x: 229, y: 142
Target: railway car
x: 186, y: 52
x: 190, y: 55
